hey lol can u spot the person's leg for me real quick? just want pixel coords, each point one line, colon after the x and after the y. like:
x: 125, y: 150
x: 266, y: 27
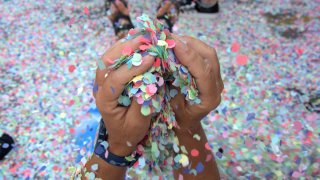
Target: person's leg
x: 6, y: 145
x: 168, y: 12
x: 207, y: 6
x: 119, y: 16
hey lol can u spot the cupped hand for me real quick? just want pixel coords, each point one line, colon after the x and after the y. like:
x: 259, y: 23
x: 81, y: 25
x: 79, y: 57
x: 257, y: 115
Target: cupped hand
x: 126, y: 126
x: 202, y: 62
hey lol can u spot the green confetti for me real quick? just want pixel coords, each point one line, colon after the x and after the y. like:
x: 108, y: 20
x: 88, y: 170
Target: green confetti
x: 197, y: 137
x: 145, y: 110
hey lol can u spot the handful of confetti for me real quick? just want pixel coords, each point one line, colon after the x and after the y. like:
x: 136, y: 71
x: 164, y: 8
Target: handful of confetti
x: 154, y: 89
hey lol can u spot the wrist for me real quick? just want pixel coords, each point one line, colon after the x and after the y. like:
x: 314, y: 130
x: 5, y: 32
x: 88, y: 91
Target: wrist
x: 121, y: 150
x: 191, y: 129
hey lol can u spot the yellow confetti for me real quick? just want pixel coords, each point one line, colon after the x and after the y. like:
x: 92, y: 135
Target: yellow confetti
x: 137, y: 78
x: 162, y: 43
x: 184, y: 160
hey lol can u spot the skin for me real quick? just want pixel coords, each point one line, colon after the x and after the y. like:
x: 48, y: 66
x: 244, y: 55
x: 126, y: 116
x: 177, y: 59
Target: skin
x: 127, y: 124
x: 117, y: 7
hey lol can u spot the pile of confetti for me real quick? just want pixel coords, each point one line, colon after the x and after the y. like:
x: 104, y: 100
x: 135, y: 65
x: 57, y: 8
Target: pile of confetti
x: 266, y: 127
x: 154, y: 90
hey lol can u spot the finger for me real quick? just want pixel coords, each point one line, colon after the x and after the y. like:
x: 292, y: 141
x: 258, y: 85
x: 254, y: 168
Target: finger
x: 117, y: 79
x: 134, y: 113
x: 114, y: 53
x: 122, y: 8
x: 163, y: 9
x: 209, y: 53
x: 201, y: 71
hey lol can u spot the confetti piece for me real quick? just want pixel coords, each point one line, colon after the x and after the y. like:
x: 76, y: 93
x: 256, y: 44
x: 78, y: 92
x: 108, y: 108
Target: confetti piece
x: 209, y: 157
x: 207, y: 146
x: 86, y: 11
x: 199, y: 167
x: 171, y: 43
x: 71, y: 68
x: 242, y: 60
x: 197, y: 137
x: 38, y: 58
x: 136, y: 59
x: 235, y: 47
x: 194, y: 153
x: 94, y: 167
x: 145, y: 110
x: 184, y: 160
x: 127, y: 51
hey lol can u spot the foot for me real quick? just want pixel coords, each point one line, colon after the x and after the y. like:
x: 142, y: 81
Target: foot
x: 6, y: 145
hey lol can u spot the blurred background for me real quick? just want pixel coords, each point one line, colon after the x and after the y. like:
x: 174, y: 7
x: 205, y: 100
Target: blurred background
x: 267, y: 126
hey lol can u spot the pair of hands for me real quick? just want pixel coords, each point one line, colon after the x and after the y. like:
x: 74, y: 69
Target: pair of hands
x: 126, y: 126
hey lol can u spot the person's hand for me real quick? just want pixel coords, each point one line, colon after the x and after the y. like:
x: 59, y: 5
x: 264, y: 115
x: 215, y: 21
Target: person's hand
x: 202, y: 62
x: 126, y: 126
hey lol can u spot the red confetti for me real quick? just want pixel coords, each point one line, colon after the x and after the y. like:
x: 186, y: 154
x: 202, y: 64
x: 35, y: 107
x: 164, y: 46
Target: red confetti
x: 299, y: 51
x: 171, y: 43
x: 235, y: 47
x: 71, y: 68
x: 86, y: 11
x: 194, y: 153
x: 71, y: 102
x: 242, y: 59
x: 157, y: 62
x: 71, y: 130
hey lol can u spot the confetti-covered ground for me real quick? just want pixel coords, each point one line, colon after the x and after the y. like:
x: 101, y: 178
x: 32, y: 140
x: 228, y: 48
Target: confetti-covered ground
x: 265, y: 127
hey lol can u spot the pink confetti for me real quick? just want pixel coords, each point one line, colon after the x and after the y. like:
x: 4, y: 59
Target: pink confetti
x: 71, y: 68
x: 194, y: 153
x: 296, y: 174
x: 106, y: 154
x: 144, y: 47
x: 127, y: 51
x: 171, y: 43
x: 297, y: 125
x: 235, y: 47
x: 71, y: 21
x: 299, y: 51
x: 86, y: 11
x: 151, y: 89
x: 242, y: 59
x: 207, y: 146
x: 208, y: 158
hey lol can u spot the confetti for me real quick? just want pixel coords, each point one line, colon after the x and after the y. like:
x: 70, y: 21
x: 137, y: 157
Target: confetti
x: 94, y: 167
x: 197, y: 137
x: 242, y: 60
x: 199, y: 167
x: 36, y: 85
x: 86, y: 11
x: 194, y: 152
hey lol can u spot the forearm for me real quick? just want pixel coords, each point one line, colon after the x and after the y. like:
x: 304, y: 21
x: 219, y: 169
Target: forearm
x: 204, y: 157
x: 105, y: 171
